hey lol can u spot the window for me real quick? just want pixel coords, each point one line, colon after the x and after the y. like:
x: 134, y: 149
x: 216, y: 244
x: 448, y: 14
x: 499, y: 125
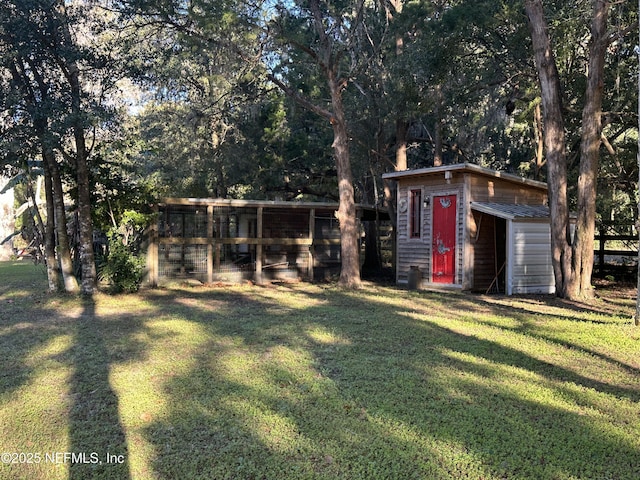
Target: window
x: 415, y: 213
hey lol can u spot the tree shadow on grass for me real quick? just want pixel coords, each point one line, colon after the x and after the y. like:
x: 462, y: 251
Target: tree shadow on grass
x: 22, y: 328
x: 527, y: 322
x: 33, y: 401
x: 95, y: 428
x: 47, y: 339
x: 347, y: 387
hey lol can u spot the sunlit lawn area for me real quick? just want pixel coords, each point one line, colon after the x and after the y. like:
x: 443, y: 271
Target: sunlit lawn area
x: 298, y: 381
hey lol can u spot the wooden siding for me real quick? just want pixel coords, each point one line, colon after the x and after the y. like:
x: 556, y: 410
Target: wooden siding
x: 498, y: 190
x: 476, y: 262
x: 529, y: 258
x: 417, y: 251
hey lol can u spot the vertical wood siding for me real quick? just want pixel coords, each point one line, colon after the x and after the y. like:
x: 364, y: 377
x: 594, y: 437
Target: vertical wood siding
x: 417, y: 251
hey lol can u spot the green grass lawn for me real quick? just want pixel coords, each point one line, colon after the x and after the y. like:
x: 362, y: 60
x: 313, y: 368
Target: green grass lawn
x: 298, y: 381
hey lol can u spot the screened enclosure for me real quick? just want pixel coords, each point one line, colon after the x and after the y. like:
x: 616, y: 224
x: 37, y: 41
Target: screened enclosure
x: 233, y: 240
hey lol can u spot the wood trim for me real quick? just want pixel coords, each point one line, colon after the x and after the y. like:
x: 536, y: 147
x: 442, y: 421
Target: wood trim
x: 259, y: 233
x: 244, y: 241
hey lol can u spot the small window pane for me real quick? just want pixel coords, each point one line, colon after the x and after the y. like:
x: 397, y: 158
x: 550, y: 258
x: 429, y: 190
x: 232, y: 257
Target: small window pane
x: 415, y: 213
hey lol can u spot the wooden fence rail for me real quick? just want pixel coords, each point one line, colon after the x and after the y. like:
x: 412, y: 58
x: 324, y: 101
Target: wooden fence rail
x: 618, y: 233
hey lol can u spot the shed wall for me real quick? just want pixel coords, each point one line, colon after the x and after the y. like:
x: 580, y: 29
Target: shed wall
x: 480, y: 264
x: 417, y: 251
x: 529, y: 267
x: 483, y: 189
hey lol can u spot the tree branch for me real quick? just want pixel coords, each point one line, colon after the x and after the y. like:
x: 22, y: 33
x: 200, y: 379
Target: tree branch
x: 300, y: 99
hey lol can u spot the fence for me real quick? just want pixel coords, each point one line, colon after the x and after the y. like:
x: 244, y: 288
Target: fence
x: 617, y: 251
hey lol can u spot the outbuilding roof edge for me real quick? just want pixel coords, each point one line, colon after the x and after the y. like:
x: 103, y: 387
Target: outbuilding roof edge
x: 465, y: 167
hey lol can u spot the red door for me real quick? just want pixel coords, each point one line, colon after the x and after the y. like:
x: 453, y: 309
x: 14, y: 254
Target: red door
x: 443, y: 251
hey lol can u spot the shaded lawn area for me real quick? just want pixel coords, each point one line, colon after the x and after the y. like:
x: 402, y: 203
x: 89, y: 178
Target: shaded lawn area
x: 309, y: 381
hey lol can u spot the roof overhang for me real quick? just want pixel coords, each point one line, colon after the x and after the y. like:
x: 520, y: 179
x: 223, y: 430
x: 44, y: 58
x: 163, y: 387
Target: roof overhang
x: 464, y: 168
x: 512, y: 211
x: 364, y: 212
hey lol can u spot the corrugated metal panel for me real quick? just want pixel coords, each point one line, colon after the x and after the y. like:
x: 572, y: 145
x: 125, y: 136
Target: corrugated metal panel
x: 529, y: 268
x: 512, y: 211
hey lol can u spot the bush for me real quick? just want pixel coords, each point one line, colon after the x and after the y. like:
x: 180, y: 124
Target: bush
x: 122, y: 269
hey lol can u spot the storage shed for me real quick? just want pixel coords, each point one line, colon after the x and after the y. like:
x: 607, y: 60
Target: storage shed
x: 472, y: 228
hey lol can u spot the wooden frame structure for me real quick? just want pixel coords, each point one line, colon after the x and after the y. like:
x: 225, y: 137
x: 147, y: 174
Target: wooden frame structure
x: 232, y: 240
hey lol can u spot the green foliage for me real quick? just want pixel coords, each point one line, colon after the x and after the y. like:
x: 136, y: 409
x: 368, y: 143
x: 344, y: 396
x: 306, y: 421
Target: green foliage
x: 122, y: 270
x: 122, y: 267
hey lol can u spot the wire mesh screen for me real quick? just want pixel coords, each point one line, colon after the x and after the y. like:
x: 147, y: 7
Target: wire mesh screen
x: 178, y: 261
x: 212, y: 241
x: 327, y: 226
x: 285, y: 256
x: 183, y: 222
x: 234, y: 222
x: 285, y: 224
x: 235, y: 257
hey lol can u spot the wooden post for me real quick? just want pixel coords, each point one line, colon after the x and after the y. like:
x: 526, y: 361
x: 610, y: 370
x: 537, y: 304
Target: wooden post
x: 258, y: 275
x: 210, y: 244
x: 312, y: 234
x: 152, y: 252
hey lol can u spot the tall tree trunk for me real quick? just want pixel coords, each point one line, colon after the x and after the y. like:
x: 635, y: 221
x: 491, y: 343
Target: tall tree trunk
x: 572, y: 265
x: 349, y: 249
x: 53, y: 272
x: 56, y: 203
x: 402, y: 132
x: 580, y: 284
x: 554, y: 141
x: 72, y: 74
x: 539, y: 160
x: 40, y: 229
x: 87, y: 258
x: 327, y: 60
x: 64, y: 251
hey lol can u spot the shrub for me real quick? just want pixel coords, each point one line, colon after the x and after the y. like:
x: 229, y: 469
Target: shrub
x: 121, y: 269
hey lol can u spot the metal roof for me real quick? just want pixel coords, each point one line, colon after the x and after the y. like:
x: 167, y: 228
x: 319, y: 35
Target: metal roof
x: 512, y: 211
